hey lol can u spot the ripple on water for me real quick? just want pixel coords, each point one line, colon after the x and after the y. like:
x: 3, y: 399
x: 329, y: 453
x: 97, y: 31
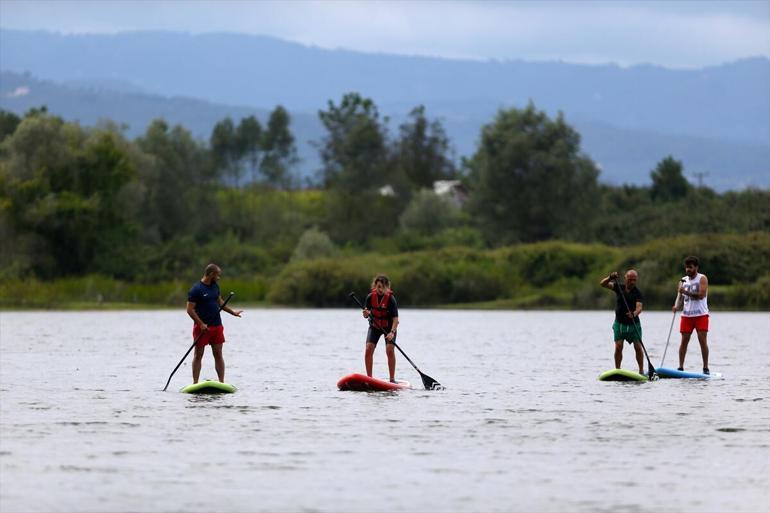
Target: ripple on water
x: 84, y: 423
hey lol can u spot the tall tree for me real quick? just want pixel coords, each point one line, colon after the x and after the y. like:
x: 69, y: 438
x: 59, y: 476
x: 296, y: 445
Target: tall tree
x: 247, y: 149
x: 422, y: 151
x: 173, y: 181
x: 356, y: 164
x: 668, y: 181
x: 66, y: 187
x: 354, y: 151
x: 8, y: 123
x: 529, y: 179
x: 280, y: 150
x: 226, y: 150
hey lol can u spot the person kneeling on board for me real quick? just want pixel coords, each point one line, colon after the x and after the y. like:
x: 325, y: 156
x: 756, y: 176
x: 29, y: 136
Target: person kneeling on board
x: 381, y: 305
x: 627, y: 325
x: 203, y: 302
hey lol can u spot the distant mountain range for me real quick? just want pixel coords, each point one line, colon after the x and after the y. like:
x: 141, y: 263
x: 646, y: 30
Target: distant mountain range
x: 716, y: 120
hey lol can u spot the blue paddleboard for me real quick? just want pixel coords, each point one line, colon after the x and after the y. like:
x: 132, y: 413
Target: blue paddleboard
x: 663, y: 372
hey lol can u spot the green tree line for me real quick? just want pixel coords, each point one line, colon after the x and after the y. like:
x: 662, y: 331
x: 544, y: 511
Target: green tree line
x: 86, y: 201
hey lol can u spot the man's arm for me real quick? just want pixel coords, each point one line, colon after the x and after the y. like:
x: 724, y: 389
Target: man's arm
x: 194, y: 316
x: 608, y: 281
x: 678, y: 300
x: 702, y: 289
x: 236, y: 313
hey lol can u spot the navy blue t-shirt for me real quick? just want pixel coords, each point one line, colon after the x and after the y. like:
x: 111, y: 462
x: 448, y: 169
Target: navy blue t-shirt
x: 206, y: 299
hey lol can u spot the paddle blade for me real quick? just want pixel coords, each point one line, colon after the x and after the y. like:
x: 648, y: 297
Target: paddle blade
x: 430, y: 383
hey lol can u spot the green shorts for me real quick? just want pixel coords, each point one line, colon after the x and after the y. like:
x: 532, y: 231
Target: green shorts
x: 627, y: 332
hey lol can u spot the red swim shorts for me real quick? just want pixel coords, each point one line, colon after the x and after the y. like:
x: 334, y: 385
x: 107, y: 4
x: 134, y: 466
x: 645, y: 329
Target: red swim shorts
x: 700, y: 323
x: 214, y: 335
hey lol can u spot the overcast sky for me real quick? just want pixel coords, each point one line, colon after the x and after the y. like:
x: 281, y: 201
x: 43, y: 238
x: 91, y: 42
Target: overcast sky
x: 673, y: 34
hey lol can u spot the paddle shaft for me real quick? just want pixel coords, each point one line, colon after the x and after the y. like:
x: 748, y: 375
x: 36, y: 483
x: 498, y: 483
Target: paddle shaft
x: 668, y: 339
x: 671, y: 328
x: 221, y: 307
x: 628, y: 308
x: 424, y: 376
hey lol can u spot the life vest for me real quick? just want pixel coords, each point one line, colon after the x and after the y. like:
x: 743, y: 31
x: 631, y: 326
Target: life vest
x: 380, y: 316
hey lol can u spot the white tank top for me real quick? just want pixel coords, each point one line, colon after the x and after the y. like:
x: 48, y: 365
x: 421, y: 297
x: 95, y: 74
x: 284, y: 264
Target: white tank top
x: 694, y: 307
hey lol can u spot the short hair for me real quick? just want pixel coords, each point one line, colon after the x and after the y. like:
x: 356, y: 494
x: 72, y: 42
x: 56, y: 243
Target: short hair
x: 381, y: 278
x: 692, y: 260
x: 211, y: 269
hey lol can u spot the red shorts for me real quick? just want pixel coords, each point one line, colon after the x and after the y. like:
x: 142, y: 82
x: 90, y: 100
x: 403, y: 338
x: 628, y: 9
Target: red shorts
x: 700, y: 323
x: 214, y: 335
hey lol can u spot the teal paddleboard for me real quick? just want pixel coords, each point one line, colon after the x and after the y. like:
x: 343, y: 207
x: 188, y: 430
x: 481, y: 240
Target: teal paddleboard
x: 622, y: 375
x: 209, y: 387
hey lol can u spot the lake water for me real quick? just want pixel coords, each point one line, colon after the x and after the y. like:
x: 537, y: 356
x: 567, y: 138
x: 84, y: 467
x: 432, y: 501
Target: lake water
x: 523, y: 424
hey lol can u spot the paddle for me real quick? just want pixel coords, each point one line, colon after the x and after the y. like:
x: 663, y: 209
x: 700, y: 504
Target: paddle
x: 231, y: 294
x: 650, y: 368
x: 671, y: 328
x: 427, y: 381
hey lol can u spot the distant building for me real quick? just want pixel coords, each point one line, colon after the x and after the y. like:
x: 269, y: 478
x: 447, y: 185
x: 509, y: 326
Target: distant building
x: 453, y: 190
x: 387, y: 190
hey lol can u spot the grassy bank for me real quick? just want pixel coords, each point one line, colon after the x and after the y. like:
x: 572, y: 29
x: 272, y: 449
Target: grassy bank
x: 544, y: 275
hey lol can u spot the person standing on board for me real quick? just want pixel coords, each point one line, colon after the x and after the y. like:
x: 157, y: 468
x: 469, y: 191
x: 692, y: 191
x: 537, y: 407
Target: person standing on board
x: 381, y: 305
x: 693, y: 288
x: 627, y: 325
x: 203, y: 302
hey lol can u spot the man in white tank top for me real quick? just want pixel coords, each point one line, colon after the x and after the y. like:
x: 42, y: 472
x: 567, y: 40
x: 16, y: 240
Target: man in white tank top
x: 693, y: 289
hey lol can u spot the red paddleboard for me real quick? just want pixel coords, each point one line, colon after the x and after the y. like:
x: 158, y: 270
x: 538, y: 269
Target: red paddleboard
x: 362, y: 383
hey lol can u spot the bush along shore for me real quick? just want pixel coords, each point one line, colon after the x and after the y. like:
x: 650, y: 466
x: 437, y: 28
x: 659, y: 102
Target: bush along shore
x: 545, y: 275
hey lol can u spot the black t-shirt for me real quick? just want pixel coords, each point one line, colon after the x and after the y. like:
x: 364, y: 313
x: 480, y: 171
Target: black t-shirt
x: 392, y: 307
x: 632, y: 297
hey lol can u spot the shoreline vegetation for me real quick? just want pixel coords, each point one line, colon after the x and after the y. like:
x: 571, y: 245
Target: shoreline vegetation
x: 544, y: 275
x: 91, y: 219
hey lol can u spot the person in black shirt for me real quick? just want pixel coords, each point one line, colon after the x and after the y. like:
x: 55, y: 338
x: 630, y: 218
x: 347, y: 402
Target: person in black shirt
x: 627, y: 325
x: 382, y: 307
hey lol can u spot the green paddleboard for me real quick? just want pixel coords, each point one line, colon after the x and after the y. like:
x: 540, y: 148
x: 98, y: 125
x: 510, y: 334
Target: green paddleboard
x: 622, y: 375
x: 209, y: 387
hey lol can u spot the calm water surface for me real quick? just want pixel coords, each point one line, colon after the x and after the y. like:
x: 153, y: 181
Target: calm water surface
x: 522, y: 426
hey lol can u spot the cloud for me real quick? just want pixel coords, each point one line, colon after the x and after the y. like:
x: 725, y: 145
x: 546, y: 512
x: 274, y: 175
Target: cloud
x: 677, y: 34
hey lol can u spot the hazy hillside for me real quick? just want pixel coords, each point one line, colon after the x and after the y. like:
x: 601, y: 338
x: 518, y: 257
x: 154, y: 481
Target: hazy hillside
x: 725, y: 102
x: 625, y: 156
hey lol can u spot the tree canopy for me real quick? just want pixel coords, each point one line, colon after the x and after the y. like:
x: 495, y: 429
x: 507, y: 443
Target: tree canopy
x: 78, y: 200
x: 529, y: 179
x: 668, y: 181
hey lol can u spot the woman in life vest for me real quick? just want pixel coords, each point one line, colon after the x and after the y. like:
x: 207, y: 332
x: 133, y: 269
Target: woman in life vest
x: 381, y: 306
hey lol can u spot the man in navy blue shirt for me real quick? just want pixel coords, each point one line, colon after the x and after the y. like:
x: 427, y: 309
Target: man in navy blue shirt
x: 203, y: 302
